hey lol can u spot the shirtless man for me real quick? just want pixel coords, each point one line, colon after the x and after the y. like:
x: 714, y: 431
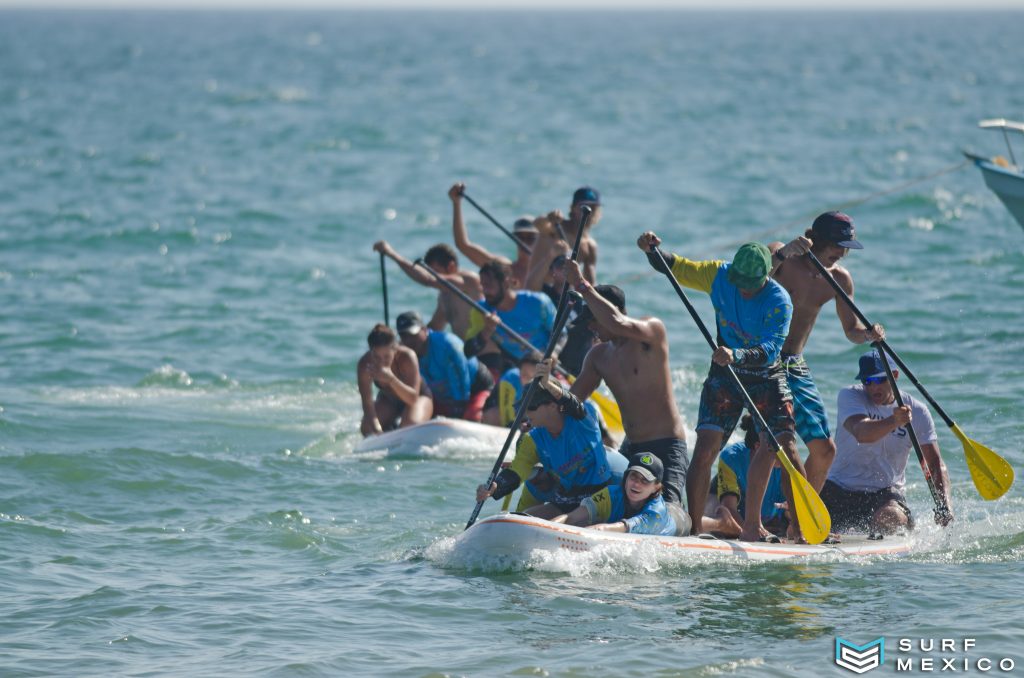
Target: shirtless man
x: 829, y: 238
x: 556, y: 234
x: 523, y: 229
x: 632, y: 359
x: 450, y: 309
x: 404, y: 398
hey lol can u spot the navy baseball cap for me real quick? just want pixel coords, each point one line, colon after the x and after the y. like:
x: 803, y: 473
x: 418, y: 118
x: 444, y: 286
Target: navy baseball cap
x: 838, y: 228
x: 586, y: 195
x: 871, y: 366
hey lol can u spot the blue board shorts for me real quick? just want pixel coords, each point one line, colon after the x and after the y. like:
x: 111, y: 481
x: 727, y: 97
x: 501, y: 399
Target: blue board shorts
x: 808, y: 408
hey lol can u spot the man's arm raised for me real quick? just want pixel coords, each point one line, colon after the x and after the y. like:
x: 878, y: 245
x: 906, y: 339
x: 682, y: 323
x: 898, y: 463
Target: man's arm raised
x: 855, y: 331
x: 414, y: 272
x: 475, y: 253
x: 608, y: 315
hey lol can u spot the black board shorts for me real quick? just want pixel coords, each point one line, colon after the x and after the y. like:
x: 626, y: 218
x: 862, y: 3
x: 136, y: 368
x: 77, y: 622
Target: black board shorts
x: 853, y: 510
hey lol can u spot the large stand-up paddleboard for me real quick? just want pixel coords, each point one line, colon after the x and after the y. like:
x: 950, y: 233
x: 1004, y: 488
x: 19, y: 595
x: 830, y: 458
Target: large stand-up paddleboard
x: 517, y: 536
x: 433, y: 435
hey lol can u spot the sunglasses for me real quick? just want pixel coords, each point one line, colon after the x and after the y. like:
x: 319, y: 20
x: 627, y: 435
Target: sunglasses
x: 871, y: 381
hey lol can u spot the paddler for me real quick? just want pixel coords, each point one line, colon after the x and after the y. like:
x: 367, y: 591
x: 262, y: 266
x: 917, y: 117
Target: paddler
x: 459, y: 385
x: 565, y: 439
x: 865, y: 486
x: 556, y: 233
x: 829, y: 238
x: 529, y: 314
x: 523, y: 229
x: 632, y: 358
x: 752, y: 315
x: 442, y: 260
x: 634, y: 506
x: 404, y: 398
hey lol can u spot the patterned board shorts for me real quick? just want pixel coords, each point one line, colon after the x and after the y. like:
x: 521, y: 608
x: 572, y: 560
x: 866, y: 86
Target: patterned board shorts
x: 808, y: 408
x: 722, y: 403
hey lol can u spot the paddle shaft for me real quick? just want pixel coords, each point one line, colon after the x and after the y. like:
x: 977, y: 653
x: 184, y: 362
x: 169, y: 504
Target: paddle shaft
x: 526, y: 248
x: 941, y: 507
x: 888, y: 349
x: 560, y: 317
x: 515, y: 336
x: 384, y: 284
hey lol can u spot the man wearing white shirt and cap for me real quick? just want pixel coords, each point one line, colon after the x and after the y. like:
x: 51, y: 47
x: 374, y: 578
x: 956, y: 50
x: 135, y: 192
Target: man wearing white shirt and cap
x: 865, y: 486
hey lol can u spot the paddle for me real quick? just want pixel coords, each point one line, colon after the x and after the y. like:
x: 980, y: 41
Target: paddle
x: 560, y: 317
x: 384, y: 284
x: 992, y: 475
x: 609, y: 408
x: 520, y: 243
x: 811, y: 513
x: 943, y: 516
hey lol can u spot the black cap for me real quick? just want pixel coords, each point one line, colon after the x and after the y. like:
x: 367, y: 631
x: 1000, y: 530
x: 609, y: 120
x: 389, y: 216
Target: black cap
x: 838, y: 228
x: 585, y: 195
x: 648, y: 464
x: 612, y: 293
x: 409, y: 322
x: 540, y: 397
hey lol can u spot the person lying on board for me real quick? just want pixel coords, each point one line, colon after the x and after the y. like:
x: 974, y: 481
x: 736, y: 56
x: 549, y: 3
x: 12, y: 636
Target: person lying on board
x: 529, y: 314
x: 441, y: 259
x: 404, y: 398
x: 557, y: 232
x: 500, y: 408
x: 523, y: 229
x: 459, y: 385
x: 829, y: 238
x: 634, y: 506
x: 723, y: 514
x: 865, y: 486
x: 565, y: 438
x: 752, y: 315
x: 632, y: 358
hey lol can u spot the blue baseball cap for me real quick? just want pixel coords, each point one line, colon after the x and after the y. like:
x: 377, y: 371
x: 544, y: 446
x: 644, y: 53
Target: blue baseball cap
x: 586, y: 195
x: 871, y: 366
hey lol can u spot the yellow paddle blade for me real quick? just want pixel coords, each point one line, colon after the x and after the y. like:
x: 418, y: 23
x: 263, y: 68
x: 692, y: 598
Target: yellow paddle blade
x: 991, y: 473
x: 609, y: 410
x: 815, y: 522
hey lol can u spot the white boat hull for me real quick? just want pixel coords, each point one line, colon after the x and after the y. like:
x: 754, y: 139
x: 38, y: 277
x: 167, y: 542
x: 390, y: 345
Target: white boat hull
x: 435, y: 436
x: 518, y: 536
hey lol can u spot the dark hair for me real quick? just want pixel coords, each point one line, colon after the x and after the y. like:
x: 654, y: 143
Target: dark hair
x: 380, y: 335
x: 751, y: 439
x: 440, y: 254
x: 499, y: 269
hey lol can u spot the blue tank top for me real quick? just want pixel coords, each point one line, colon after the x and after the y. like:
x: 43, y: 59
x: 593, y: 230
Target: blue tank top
x: 577, y: 456
x: 445, y: 368
x: 736, y: 458
x: 609, y: 506
x: 532, y: 318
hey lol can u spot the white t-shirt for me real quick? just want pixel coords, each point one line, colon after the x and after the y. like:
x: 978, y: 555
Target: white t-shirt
x: 864, y: 467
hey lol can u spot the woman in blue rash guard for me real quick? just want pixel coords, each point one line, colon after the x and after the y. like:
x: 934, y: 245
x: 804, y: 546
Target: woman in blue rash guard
x: 635, y: 506
x: 565, y: 438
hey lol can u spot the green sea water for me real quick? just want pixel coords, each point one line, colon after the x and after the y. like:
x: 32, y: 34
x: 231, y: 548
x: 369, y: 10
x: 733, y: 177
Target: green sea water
x: 187, y: 205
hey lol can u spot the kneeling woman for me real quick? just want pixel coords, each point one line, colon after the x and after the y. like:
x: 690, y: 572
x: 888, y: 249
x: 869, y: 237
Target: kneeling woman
x: 635, y: 506
x: 565, y: 439
x: 404, y: 398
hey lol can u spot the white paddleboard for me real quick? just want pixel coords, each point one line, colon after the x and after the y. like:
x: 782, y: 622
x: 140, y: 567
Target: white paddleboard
x: 435, y: 435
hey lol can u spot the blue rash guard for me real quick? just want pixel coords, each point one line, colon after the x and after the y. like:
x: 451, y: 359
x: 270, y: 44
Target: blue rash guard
x: 577, y: 458
x: 532, y: 318
x: 754, y: 328
x: 733, y: 465
x: 609, y: 506
x: 448, y: 372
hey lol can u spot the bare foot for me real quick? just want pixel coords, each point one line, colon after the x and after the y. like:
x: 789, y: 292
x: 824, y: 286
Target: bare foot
x: 727, y: 525
x: 794, y: 536
x: 749, y: 535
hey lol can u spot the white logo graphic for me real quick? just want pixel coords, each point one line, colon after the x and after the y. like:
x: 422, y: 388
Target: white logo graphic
x: 860, y: 658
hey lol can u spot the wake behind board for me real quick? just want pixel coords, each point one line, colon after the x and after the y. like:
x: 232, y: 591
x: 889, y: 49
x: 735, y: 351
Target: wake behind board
x: 434, y: 435
x: 517, y: 536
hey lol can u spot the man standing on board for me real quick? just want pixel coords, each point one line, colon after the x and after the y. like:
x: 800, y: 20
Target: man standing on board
x: 632, y: 358
x: 752, y: 315
x: 829, y: 239
x: 558, y: 233
x: 523, y: 229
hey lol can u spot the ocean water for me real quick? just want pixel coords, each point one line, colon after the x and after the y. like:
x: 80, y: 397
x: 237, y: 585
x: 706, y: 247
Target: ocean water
x: 187, y: 205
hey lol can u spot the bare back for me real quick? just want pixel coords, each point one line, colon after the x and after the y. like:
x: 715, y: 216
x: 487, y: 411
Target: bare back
x: 638, y: 375
x: 456, y: 311
x: 810, y: 292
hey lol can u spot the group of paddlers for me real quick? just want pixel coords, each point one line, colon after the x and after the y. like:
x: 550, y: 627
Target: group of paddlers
x: 485, y: 342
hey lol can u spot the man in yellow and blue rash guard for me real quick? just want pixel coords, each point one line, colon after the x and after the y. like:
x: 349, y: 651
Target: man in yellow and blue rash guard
x: 565, y: 439
x: 752, y: 316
